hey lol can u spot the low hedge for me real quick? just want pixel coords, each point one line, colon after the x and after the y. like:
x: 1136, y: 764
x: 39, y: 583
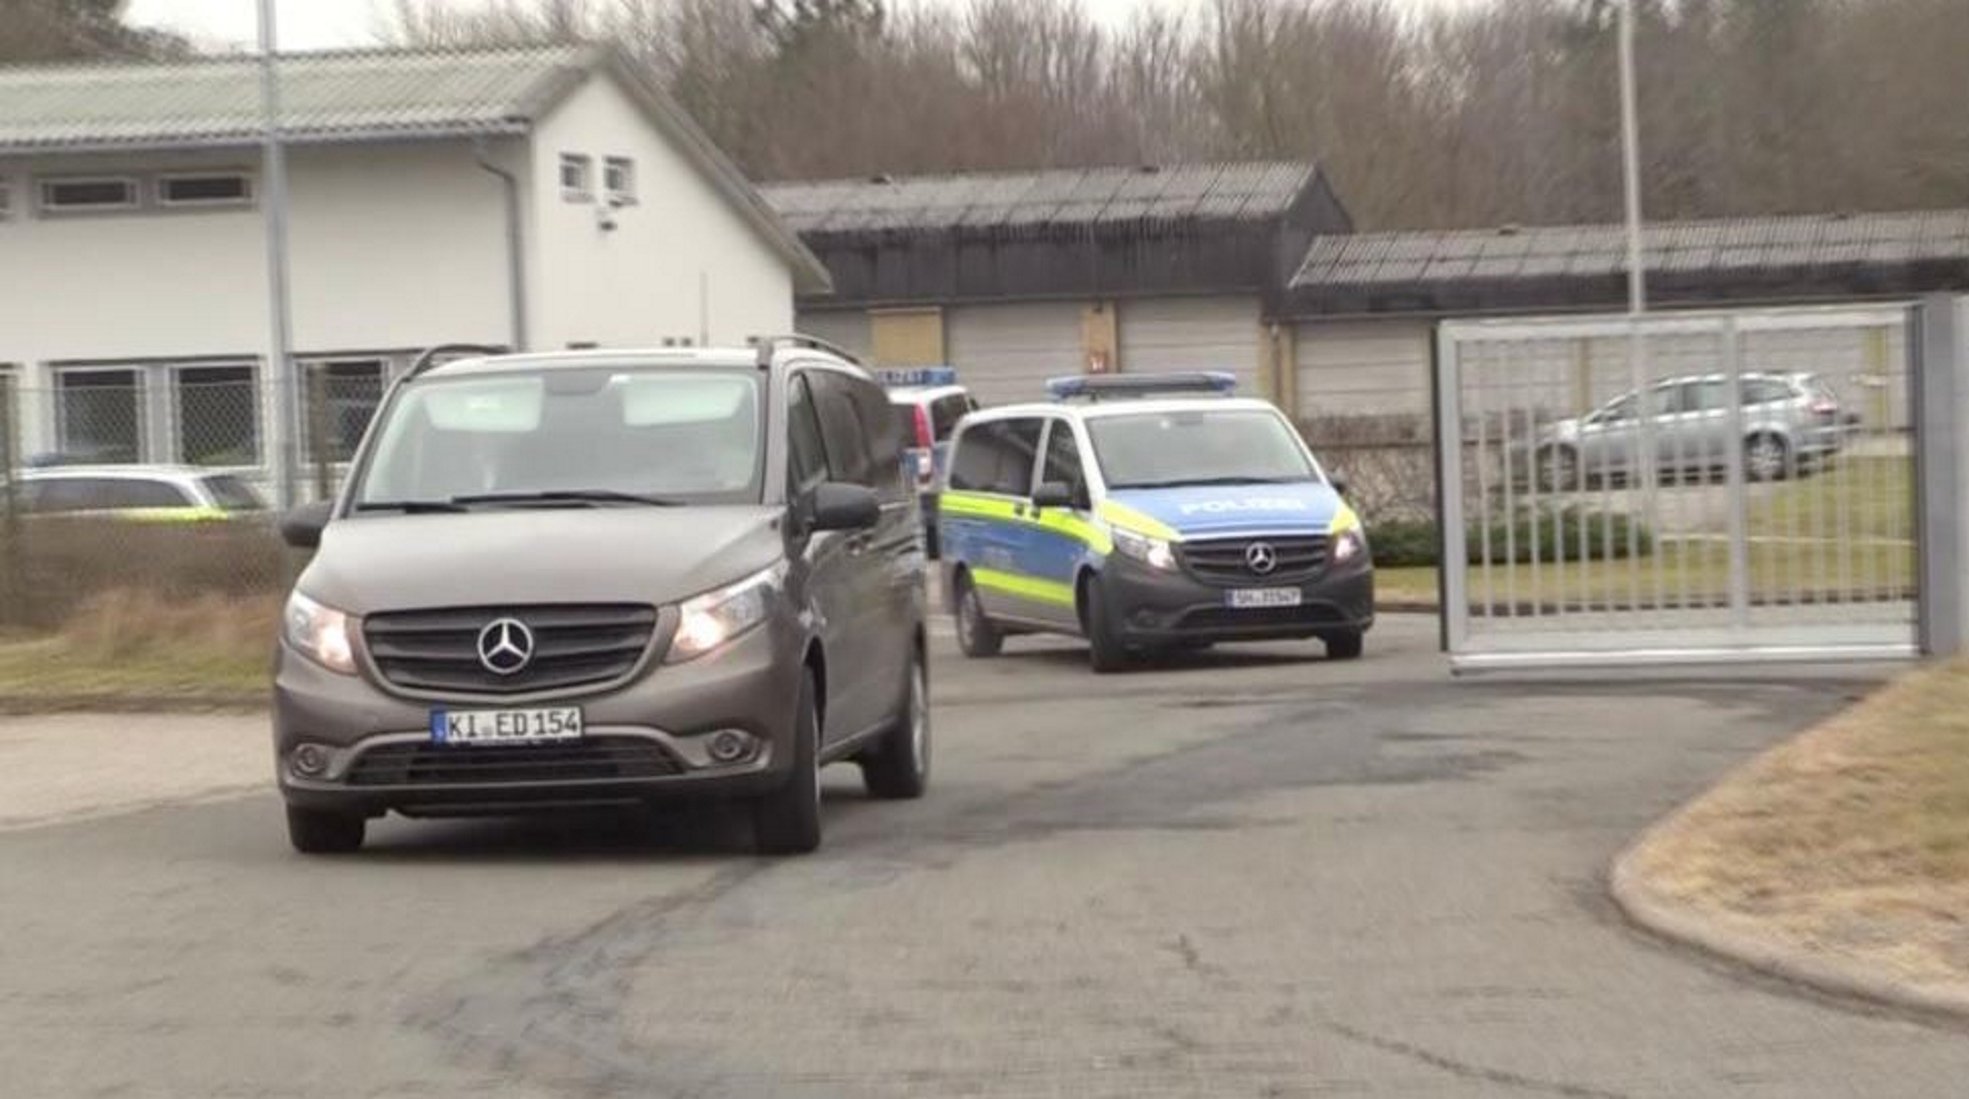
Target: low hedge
x: 1407, y: 543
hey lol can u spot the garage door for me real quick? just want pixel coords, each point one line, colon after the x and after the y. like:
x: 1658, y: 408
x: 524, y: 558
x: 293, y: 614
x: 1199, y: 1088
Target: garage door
x: 1193, y: 334
x: 1005, y: 353
x: 844, y: 328
x: 1363, y: 368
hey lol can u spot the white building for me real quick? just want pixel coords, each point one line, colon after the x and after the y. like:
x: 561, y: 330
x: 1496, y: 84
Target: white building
x: 535, y: 198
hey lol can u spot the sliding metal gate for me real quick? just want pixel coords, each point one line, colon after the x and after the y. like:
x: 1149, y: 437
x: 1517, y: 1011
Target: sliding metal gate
x: 1682, y: 488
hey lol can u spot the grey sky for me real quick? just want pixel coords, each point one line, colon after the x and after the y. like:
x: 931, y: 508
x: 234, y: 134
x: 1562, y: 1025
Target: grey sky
x: 323, y: 24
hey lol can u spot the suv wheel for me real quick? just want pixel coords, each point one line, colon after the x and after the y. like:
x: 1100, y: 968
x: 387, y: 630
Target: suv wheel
x: 1105, y: 650
x: 787, y: 821
x: 1766, y: 458
x: 977, y: 636
x: 899, y: 767
x: 316, y: 832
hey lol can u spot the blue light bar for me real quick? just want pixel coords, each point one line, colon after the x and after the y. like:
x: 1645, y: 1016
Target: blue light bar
x: 1094, y: 387
x: 918, y: 375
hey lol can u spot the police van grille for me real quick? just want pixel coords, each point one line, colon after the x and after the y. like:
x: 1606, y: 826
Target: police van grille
x: 574, y: 646
x: 1227, y: 560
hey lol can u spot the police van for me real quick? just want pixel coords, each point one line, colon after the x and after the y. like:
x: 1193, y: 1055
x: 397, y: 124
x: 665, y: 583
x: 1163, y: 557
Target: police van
x: 1148, y: 513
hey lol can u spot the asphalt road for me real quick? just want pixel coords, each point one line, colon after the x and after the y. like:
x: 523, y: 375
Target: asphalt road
x: 1253, y: 874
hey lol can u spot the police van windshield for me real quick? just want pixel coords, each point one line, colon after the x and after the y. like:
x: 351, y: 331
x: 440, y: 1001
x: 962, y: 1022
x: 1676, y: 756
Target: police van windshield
x: 1197, y: 447
x: 570, y: 436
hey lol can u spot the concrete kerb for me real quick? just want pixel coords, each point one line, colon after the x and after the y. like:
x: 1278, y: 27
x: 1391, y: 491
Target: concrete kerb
x: 1653, y: 914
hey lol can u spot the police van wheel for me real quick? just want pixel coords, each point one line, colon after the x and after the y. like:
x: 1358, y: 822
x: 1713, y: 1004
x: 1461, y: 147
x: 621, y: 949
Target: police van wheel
x: 1344, y: 646
x: 1105, y: 651
x: 977, y: 636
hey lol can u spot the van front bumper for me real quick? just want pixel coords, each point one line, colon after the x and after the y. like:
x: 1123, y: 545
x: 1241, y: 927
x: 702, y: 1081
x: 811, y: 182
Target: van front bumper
x: 1152, y: 607
x: 647, y: 740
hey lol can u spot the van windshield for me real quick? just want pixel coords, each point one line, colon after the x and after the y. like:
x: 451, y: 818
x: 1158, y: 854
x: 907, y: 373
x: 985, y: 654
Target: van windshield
x: 589, y: 436
x: 1197, y: 447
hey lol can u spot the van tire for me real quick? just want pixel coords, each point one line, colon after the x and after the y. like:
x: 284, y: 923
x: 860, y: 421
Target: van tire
x: 1346, y: 645
x: 899, y: 766
x: 977, y: 635
x: 787, y: 821
x: 319, y: 832
x: 1106, y: 652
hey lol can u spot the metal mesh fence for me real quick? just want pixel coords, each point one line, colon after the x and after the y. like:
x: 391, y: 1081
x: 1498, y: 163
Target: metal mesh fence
x: 161, y: 480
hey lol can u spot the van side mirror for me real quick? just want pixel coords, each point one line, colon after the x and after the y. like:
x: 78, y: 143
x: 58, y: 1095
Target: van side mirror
x: 301, y: 526
x: 1053, y: 494
x: 839, y: 506
x: 1338, y: 481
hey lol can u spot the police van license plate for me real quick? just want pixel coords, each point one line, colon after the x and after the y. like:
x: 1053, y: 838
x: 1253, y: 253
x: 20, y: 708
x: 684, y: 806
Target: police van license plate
x: 1252, y: 598
x: 506, y: 726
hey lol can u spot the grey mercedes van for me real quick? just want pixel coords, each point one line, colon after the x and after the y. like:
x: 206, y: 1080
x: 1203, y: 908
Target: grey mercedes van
x: 600, y: 578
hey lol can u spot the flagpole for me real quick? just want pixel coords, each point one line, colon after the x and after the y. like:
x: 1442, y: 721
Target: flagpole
x: 273, y: 202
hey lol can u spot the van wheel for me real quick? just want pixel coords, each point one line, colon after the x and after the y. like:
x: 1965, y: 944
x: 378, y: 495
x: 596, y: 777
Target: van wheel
x: 316, y: 832
x: 977, y: 636
x: 899, y: 767
x: 787, y: 821
x: 1105, y: 651
x: 1344, y: 646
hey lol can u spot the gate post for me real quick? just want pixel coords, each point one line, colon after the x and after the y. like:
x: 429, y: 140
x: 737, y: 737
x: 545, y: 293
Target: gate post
x: 1941, y: 472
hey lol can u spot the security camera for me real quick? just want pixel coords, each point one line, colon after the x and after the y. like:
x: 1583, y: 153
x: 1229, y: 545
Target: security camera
x: 604, y: 219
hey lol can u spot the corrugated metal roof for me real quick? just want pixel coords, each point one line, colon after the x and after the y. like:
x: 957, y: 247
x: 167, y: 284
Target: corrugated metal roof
x: 1026, y: 200
x: 1426, y: 260
x: 325, y: 96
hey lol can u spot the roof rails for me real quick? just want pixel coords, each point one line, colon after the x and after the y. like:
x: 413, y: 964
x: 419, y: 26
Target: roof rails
x: 769, y: 344
x: 917, y: 375
x: 428, y: 359
x: 1098, y: 386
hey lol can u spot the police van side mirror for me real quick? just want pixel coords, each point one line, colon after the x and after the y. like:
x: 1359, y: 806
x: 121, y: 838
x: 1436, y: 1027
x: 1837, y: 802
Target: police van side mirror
x: 1054, y: 494
x: 301, y: 527
x: 1338, y: 481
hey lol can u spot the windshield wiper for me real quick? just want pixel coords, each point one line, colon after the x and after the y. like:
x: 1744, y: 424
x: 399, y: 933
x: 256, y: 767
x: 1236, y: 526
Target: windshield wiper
x: 411, y: 507
x: 568, y: 496
x: 1199, y: 482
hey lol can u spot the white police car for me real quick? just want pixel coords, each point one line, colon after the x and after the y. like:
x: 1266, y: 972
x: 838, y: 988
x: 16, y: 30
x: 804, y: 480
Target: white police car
x: 1146, y: 513
x: 928, y: 402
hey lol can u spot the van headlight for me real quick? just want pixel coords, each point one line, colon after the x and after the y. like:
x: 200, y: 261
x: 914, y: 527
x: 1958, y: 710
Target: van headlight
x: 1347, y: 545
x: 321, y: 633
x: 716, y: 617
x: 1153, y: 552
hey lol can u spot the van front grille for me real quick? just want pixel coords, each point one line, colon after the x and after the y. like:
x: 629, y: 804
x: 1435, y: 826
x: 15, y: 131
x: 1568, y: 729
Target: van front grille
x: 438, y: 651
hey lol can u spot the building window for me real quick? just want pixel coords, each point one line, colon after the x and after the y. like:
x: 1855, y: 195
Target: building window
x: 619, y: 180
x: 343, y: 398
x: 99, y: 415
x: 78, y: 195
x: 6, y: 199
x: 577, y: 184
x: 218, y: 415
x: 213, y: 189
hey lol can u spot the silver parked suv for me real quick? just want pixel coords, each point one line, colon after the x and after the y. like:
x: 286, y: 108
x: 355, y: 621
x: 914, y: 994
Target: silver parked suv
x: 1788, y: 422
x: 605, y: 578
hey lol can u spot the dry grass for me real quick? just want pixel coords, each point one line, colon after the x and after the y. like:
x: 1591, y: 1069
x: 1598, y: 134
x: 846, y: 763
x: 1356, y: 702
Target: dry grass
x: 52, y: 567
x: 128, y: 647
x: 1851, y: 841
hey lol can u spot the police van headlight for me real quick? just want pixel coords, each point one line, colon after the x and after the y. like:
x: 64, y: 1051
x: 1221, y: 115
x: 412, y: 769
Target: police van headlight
x: 321, y: 633
x: 1153, y: 552
x: 1348, y: 545
x: 714, y: 618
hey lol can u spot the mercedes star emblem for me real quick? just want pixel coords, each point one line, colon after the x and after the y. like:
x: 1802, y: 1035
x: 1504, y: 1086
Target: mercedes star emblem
x: 1261, y: 557
x: 505, y: 646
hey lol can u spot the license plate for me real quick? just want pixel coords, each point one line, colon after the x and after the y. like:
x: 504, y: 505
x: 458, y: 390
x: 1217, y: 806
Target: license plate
x: 505, y: 726
x: 1246, y: 598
